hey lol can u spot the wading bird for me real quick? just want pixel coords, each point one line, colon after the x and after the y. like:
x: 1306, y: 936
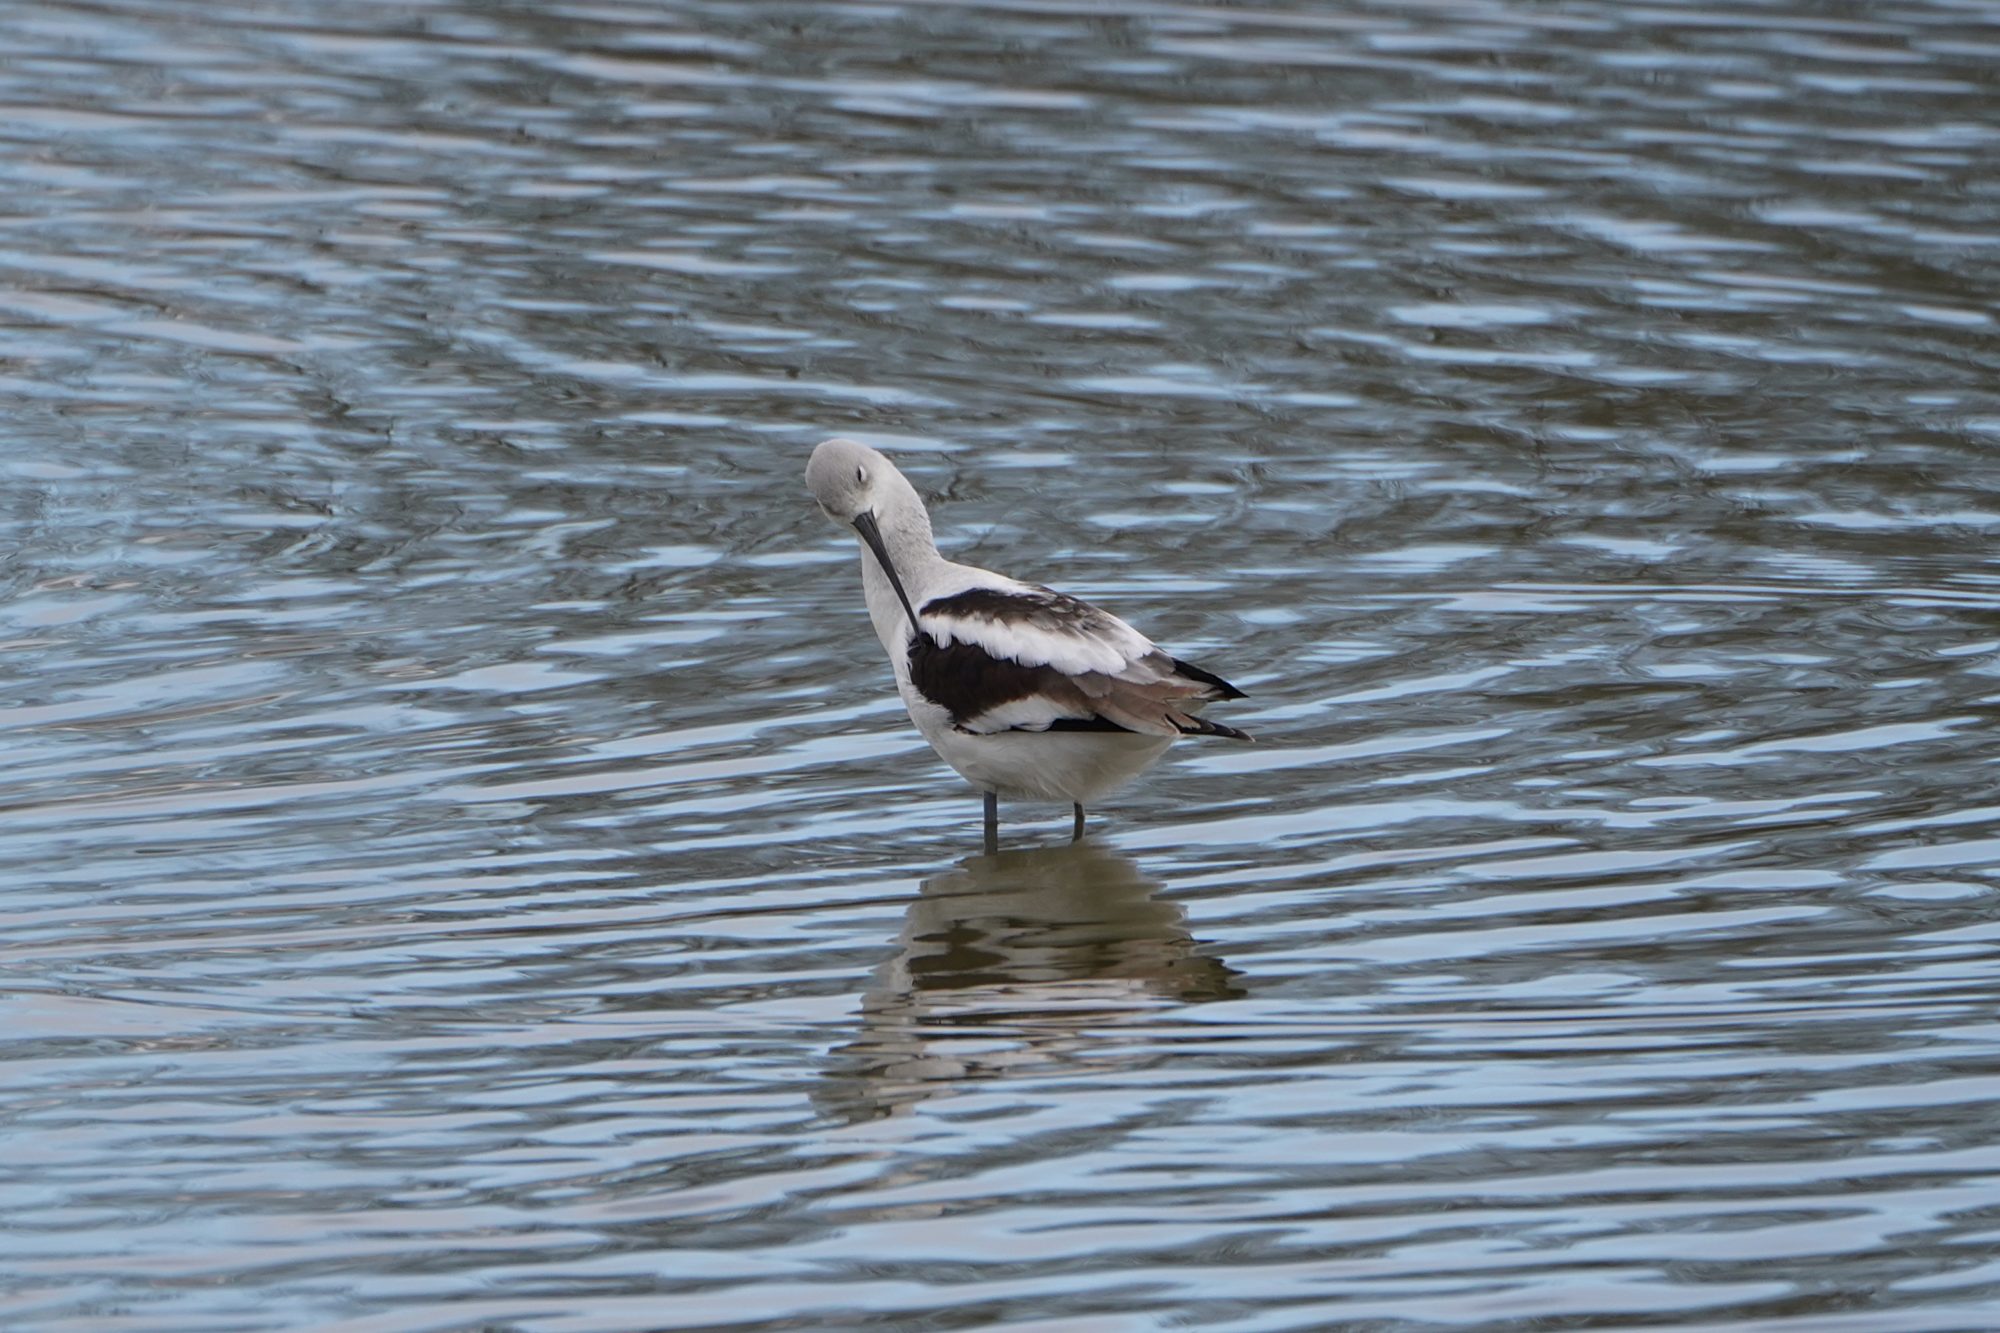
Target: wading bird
x: 1026, y: 692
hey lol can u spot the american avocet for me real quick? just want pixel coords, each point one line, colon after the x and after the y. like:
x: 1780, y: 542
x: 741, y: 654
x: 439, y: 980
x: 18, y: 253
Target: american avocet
x: 1027, y: 693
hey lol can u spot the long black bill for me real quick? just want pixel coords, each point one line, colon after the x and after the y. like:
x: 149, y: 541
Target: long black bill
x: 865, y: 525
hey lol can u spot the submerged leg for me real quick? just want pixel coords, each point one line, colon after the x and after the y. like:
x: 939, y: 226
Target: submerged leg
x: 992, y: 823
x: 1076, y: 829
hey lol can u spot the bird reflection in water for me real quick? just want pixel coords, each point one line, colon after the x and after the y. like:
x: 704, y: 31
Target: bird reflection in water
x: 1017, y: 962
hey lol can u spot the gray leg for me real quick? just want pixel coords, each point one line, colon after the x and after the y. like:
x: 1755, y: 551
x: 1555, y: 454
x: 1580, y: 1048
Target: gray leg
x: 1076, y: 829
x: 992, y: 823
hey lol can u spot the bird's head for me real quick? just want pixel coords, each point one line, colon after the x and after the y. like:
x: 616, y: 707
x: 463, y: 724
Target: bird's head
x: 859, y: 487
x: 849, y: 479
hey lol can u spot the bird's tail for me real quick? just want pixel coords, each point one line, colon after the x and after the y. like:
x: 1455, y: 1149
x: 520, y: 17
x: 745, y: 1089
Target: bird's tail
x: 1168, y: 704
x: 1201, y: 726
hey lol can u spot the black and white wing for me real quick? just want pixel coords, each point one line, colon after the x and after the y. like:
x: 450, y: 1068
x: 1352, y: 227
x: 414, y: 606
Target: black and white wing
x: 1027, y: 658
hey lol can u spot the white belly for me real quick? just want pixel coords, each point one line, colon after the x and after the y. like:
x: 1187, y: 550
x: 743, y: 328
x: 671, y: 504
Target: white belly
x: 1073, y: 766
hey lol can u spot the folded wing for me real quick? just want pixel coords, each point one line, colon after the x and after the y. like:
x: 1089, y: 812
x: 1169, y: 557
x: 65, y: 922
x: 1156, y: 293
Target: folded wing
x: 1026, y: 658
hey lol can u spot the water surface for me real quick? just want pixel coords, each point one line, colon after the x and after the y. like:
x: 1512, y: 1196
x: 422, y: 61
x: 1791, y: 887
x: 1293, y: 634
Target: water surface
x: 465, y: 867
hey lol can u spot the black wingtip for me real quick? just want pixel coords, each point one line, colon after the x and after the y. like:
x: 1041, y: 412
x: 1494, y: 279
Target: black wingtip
x: 1203, y: 727
x: 1209, y: 678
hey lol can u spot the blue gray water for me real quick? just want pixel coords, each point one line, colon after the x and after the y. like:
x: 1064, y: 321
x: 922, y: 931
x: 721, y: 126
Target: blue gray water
x: 464, y: 865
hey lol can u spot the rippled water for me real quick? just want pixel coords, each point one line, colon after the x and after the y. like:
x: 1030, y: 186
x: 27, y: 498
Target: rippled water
x: 465, y: 867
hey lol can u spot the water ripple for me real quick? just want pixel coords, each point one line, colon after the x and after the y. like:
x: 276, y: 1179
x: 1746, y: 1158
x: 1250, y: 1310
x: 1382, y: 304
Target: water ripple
x: 466, y: 868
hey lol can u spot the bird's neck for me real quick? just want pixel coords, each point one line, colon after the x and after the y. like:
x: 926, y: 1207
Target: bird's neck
x: 906, y: 534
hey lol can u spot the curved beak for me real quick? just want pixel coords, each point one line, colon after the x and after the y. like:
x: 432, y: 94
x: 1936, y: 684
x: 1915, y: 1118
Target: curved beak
x: 870, y: 533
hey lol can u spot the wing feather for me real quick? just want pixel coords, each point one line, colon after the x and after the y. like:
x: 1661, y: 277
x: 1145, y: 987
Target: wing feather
x: 1036, y: 627
x: 1027, y: 658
